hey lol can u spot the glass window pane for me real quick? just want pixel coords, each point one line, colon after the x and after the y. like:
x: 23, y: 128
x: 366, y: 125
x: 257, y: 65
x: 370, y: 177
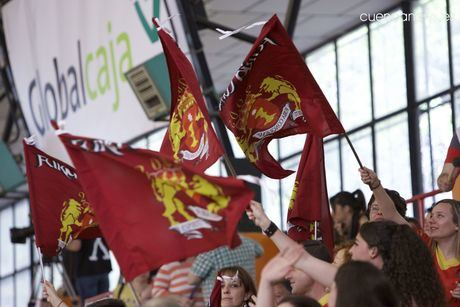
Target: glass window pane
x: 322, y: 65
x: 392, y: 140
x: 354, y: 81
x: 362, y: 141
x: 7, y: 292
x: 435, y: 134
x: 271, y: 200
x: 332, y: 165
x: 457, y: 108
x: 287, y: 184
x: 431, y: 52
x: 455, y: 39
x: 155, y: 139
x: 291, y: 145
x: 6, y: 250
x: 22, y: 288
x: 237, y: 151
x: 21, y: 219
x: 388, y: 68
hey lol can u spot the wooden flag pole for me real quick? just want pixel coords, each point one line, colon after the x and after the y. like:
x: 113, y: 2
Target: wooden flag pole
x: 39, y: 252
x: 353, y: 149
x: 138, y: 301
x: 229, y: 165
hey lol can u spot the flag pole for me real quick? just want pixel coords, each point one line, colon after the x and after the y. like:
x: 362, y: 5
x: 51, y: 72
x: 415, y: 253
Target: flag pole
x: 229, y: 165
x: 316, y: 230
x: 353, y: 149
x: 136, y: 298
x: 39, y: 252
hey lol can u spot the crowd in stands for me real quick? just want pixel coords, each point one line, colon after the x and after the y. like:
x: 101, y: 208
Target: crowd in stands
x: 381, y: 258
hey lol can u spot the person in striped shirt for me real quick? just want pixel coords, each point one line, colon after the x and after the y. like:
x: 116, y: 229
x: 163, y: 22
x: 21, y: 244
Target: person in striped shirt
x: 172, y: 280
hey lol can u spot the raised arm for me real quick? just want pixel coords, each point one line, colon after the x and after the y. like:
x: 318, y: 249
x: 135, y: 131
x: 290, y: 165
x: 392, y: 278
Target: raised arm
x: 319, y: 270
x: 385, y: 203
x: 258, y: 216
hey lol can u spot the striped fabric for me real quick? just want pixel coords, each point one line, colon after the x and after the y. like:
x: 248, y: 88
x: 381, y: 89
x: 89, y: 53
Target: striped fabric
x: 172, y: 279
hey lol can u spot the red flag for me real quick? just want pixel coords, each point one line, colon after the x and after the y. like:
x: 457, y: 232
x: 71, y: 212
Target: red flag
x: 274, y: 95
x: 190, y: 137
x: 153, y: 210
x: 60, y: 208
x: 309, y: 201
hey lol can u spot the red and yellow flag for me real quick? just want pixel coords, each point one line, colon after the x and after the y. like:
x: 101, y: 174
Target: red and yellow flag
x: 190, y: 137
x: 60, y: 208
x: 309, y: 200
x: 151, y: 209
x: 274, y: 95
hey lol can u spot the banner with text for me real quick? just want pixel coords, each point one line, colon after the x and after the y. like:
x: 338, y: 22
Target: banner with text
x: 69, y: 60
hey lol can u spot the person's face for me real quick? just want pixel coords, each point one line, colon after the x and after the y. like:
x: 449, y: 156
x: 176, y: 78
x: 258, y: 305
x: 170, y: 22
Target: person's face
x: 300, y: 282
x: 441, y: 222
x: 279, y: 292
x: 374, y: 213
x: 286, y: 304
x: 360, y: 250
x: 343, y: 215
x: 333, y: 295
x: 233, y: 293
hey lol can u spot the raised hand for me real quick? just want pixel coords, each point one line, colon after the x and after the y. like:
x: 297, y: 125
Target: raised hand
x: 257, y: 214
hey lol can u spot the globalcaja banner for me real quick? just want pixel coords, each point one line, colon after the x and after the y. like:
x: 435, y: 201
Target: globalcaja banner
x: 69, y: 60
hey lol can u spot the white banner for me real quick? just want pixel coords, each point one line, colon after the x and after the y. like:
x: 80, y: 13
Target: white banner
x: 69, y: 58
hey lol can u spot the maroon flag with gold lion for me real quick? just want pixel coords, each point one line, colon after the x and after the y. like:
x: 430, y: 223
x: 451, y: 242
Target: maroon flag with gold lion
x: 309, y: 202
x: 274, y: 95
x: 190, y: 137
x: 60, y: 208
x: 151, y: 209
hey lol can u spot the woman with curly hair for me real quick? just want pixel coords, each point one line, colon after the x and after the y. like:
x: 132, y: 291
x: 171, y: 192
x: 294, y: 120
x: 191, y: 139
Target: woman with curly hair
x: 404, y: 258
x: 395, y: 249
x: 442, y: 233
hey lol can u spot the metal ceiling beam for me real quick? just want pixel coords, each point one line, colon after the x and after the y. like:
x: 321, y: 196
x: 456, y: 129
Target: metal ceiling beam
x: 208, y: 24
x: 292, y: 13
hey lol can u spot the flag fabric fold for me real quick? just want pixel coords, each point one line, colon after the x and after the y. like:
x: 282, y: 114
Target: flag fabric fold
x: 151, y: 209
x: 309, y: 200
x: 274, y: 95
x: 60, y: 208
x: 190, y: 137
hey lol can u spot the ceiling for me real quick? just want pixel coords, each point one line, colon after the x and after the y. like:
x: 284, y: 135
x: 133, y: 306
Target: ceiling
x: 317, y: 22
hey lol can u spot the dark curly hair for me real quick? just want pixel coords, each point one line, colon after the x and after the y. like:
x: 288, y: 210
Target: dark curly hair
x: 407, y: 262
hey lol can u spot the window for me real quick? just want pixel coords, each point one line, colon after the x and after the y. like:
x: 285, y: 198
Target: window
x: 455, y: 39
x: 323, y: 67
x: 354, y: 82
x: 332, y: 167
x: 431, y: 52
x: 388, y: 68
x: 21, y: 220
x: 392, y: 152
x: 435, y: 136
x: 6, y: 252
x: 362, y: 141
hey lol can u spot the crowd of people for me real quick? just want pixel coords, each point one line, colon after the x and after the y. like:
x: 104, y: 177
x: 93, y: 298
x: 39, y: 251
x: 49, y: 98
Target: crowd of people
x: 381, y: 258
